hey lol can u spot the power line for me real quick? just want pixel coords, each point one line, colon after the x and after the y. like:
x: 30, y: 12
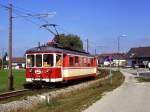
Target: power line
x: 25, y: 14
x: 29, y: 13
x: 36, y: 16
x: 59, y: 27
x: 4, y: 6
x: 27, y: 19
x: 46, y: 26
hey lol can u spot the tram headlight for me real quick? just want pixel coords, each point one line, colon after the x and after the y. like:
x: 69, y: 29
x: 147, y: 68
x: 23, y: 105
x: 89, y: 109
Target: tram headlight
x: 47, y: 71
x: 31, y: 70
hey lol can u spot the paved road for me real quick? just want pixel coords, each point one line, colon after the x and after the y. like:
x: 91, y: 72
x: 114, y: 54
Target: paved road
x: 130, y: 97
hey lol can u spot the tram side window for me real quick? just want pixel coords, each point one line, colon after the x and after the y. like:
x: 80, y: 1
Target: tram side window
x: 30, y: 60
x: 85, y: 62
x: 81, y: 61
x: 89, y: 62
x: 38, y: 60
x: 76, y: 60
x: 71, y: 61
x: 58, y: 60
x: 48, y: 60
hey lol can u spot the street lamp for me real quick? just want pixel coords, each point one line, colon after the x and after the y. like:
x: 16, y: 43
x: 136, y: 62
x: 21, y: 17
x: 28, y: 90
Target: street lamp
x: 118, y: 38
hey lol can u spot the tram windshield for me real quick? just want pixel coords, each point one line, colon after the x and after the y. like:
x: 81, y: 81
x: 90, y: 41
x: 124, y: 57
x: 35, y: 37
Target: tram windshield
x: 39, y: 60
x: 48, y: 60
x: 30, y: 60
x: 43, y: 60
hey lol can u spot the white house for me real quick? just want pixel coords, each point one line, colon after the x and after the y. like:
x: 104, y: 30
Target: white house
x: 117, y: 59
x: 18, y: 63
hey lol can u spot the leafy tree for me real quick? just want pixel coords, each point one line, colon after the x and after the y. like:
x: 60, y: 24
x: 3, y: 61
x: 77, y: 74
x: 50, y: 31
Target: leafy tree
x: 69, y: 41
x: 0, y: 63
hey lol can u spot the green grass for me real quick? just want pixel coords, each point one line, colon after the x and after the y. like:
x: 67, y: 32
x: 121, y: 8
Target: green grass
x: 19, y: 79
x: 79, y: 100
x: 143, y: 79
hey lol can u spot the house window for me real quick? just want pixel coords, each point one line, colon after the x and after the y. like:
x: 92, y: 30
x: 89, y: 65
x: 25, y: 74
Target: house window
x: 30, y: 60
x: 47, y: 60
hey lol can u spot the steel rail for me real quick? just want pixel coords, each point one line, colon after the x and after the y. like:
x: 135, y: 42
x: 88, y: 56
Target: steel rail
x: 12, y: 94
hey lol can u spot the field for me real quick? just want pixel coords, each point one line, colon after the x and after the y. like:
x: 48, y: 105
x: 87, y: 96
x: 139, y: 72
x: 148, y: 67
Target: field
x: 19, y: 79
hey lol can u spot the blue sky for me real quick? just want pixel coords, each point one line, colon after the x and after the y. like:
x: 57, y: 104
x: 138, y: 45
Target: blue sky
x: 101, y: 21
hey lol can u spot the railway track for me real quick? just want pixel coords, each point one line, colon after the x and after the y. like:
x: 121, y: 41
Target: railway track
x: 12, y: 94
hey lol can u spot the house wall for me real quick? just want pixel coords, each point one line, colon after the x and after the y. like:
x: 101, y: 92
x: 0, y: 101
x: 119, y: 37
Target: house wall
x: 18, y: 65
x: 116, y: 63
x: 120, y: 62
x: 137, y: 62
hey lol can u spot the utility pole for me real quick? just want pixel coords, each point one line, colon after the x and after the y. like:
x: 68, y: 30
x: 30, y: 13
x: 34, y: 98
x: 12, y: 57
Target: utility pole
x: 10, y: 76
x: 95, y: 51
x: 110, y: 73
x: 87, y: 45
x: 118, y: 38
x: 118, y: 44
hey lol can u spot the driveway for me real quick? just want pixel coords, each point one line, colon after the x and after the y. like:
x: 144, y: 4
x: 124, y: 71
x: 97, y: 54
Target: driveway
x: 131, y: 96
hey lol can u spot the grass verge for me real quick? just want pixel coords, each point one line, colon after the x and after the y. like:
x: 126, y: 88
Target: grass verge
x: 81, y: 99
x: 19, y: 79
x: 143, y: 79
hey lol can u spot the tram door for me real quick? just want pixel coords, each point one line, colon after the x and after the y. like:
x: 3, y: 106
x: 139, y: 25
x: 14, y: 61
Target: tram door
x: 57, y: 70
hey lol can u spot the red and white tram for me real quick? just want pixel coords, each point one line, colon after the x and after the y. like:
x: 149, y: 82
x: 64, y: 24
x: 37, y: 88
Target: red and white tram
x: 50, y: 64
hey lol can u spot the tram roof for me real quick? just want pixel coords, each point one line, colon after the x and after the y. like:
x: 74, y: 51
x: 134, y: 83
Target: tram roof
x: 56, y: 49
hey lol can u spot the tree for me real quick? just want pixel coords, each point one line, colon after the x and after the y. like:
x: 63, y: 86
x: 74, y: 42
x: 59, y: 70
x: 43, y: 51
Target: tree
x: 69, y: 41
x: 5, y: 62
x: 0, y: 63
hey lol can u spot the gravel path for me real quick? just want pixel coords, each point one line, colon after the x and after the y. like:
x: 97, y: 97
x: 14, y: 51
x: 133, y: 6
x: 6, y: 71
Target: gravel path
x: 130, y: 97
